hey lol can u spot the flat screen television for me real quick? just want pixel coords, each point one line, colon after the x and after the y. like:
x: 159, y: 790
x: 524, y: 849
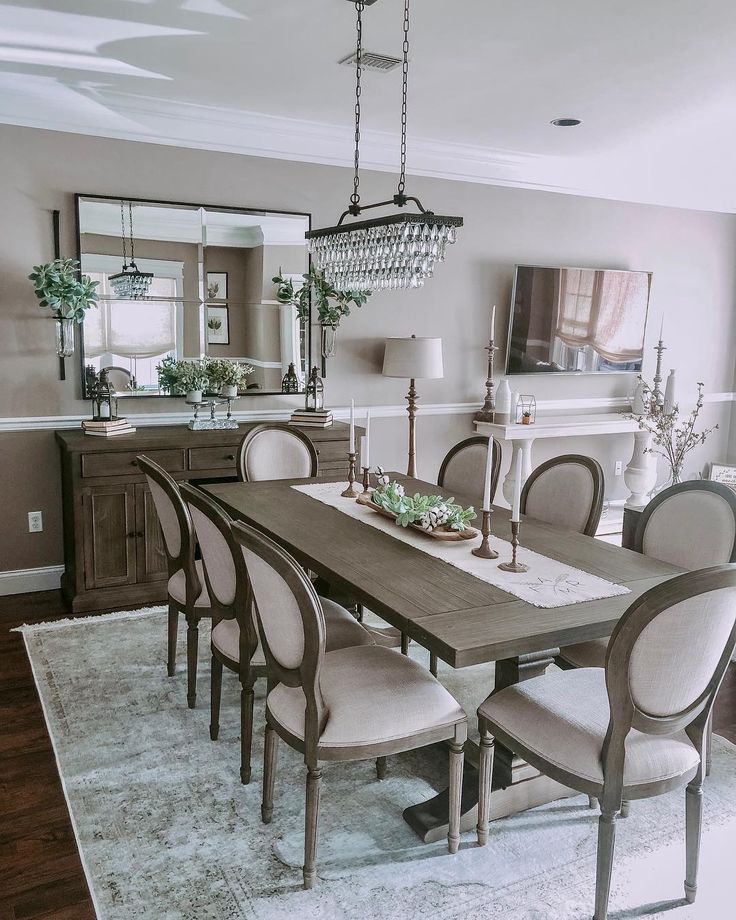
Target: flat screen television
x: 577, y: 321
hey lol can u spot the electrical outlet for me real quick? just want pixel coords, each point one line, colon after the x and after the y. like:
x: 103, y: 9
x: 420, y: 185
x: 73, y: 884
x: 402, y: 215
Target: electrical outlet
x: 35, y: 521
x: 619, y: 468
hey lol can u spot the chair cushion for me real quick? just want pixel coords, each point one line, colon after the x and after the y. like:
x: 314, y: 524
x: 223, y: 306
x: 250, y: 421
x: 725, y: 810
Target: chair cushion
x: 373, y: 695
x: 563, y: 718
x: 586, y: 654
x: 342, y: 629
x: 177, y: 587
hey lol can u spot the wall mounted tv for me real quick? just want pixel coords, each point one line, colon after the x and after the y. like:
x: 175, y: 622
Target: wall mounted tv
x: 577, y: 321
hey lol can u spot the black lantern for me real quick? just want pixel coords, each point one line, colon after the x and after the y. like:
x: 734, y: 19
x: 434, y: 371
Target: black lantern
x: 290, y: 383
x: 315, y: 393
x: 104, y: 402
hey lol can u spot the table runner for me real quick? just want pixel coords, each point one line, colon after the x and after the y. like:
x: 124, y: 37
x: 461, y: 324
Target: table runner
x: 548, y: 583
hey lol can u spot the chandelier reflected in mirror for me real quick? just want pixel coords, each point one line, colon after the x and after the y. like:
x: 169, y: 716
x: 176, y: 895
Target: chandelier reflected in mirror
x: 130, y: 283
x: 395, y: 252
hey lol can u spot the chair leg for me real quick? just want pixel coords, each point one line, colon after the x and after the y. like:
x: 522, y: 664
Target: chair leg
x: 485, y: 776
x: 606, y: 841
x: 433, y: 664
x: 404, y: 644
x: 457, y: 761
x: 314, y: 777
x: 192, y: 654
x: 173, y: 627
x: 270, y: 757
x: 592, y: 801
x: 625, y: 809
x: 708, y: 745
x: 215, y: 697
x: 693, y: 828
x: 246, y: 731
x: 381, y: 767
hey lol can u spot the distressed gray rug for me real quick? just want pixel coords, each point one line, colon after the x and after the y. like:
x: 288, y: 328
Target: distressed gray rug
x: 167, y: 831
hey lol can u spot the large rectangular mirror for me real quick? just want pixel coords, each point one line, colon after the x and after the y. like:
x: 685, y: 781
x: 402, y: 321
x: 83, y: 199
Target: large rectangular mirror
x: 211, y: 292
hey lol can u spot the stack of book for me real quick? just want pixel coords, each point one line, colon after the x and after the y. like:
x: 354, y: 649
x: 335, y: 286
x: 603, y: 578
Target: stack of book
x: 321, y: 418
x: 107, y: 427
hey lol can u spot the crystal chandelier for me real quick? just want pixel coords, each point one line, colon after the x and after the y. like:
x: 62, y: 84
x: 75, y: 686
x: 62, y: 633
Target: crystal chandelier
x: 130, y: 283
x: 397, y: 251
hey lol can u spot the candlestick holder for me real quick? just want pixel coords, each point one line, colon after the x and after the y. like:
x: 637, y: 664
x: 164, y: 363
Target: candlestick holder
x: 366, y: 493
x: 351, y: 491
x: 484, y: 551
x: 487, y: 411
x: 514, y: 566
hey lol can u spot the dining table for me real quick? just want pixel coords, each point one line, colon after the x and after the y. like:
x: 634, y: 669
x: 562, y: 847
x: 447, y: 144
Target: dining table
x: 455, y: 615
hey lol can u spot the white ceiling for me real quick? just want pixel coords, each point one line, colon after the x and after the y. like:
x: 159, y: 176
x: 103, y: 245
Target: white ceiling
x: 654, y: 82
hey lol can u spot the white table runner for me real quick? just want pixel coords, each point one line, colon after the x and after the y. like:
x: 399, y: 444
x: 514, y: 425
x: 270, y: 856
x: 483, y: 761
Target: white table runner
x: 548, y: 583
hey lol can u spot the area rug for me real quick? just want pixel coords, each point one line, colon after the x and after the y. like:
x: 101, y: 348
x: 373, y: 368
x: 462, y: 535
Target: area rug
x: 167, y: 831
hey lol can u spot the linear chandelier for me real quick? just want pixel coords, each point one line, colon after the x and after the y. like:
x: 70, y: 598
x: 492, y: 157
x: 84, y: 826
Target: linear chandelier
x: 396, y: 251
x: 130, y: 283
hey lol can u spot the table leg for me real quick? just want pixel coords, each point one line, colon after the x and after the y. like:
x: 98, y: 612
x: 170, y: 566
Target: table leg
x: 526, y: 467
x: 516, y: 784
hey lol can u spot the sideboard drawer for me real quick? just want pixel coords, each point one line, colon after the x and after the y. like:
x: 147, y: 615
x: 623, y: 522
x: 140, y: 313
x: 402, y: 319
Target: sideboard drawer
x: 331, y: 451
x: 124, y: 462
x: 212, y: 458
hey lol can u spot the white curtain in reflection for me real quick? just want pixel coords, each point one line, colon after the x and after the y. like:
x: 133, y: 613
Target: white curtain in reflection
x: 132, y: 328
x: 603, y: 310
x: 289, y: 337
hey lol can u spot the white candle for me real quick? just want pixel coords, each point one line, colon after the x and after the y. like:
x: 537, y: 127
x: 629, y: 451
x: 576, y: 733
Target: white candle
x: 366, y: 456
x: 364, y: 452
x: 661, y: 328
x: 351, y: 446
x: 487, y: 483
x: 493, y: 323
x: 515, y: 512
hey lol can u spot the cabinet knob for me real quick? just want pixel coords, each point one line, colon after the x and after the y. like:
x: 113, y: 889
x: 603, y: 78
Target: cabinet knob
x: 229, y: 456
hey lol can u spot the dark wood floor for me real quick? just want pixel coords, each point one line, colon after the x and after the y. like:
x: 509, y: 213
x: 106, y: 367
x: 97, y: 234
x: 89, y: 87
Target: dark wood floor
x: 40, y: 872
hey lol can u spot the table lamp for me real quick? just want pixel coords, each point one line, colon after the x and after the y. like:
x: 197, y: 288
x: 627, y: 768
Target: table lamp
x: 413, y: 358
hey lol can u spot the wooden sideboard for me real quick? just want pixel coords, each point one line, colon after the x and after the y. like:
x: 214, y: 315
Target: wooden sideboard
x: 113, y: 550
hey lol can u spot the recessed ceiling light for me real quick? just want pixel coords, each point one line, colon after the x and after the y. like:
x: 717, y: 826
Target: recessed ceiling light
x: 565, y: 122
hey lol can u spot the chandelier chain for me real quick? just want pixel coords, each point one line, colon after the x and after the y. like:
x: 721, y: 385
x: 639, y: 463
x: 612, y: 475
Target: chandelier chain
x: 130, y: 223
x: 359, y: 7
x: 404, y: 87
x: 122, y: 224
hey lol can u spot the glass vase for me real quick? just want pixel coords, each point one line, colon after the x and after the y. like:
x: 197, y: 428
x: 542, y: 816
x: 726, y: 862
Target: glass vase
x: 329, y: 340
x: 64, y: 337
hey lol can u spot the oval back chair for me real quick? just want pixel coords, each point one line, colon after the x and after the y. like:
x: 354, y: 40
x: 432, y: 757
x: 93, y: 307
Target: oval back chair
x: 566, y: 491
x: 463, y: 469
x: 276, y: 452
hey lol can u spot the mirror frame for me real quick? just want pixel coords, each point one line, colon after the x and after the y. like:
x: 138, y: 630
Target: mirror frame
x: 78, y: 196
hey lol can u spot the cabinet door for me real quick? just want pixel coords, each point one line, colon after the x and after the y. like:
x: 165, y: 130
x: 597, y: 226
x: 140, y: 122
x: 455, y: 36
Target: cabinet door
x: 109, y: 535
x: 151, y: 562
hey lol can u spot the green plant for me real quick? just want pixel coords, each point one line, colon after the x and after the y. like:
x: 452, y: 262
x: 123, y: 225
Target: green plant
x: 331, y: 304
x: 224, y: 373
x: 426, y: 511
x: 168, y: 375
x: 60, y: 287
x: 192, y: 375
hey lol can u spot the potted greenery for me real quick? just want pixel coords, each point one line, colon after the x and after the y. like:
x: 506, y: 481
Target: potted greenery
x: 331, y: 304
x: 59, y: 286
x: 226, y: 377
x: 183, y: 377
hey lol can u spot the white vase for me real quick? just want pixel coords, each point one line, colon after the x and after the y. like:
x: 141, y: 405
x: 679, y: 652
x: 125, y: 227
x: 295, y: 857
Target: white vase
x: 229, y: 392
x: 194, y: 396
x: 640, y: 475
x: 503, y: 403
x: 669, y: 392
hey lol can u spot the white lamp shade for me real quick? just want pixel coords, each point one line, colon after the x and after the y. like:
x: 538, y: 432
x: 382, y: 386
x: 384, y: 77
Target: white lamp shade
x: 418, y: 358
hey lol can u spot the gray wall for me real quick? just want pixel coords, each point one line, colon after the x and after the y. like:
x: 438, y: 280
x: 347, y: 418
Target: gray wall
x: 690, y: 253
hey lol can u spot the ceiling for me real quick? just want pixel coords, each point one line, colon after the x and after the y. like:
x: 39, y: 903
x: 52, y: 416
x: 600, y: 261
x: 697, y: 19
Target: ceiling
x: 654, y: 83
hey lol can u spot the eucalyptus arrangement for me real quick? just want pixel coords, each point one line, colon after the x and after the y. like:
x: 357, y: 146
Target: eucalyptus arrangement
x: 425, y: 511
x: 191, y: 377
x: 59, y: 286
x: 182, y: 377
x: 672, y: 438
x: 224, y: 373
x: 331, y: 304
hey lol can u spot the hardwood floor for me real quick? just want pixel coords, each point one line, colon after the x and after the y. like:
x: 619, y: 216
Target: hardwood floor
x: 41, y: 876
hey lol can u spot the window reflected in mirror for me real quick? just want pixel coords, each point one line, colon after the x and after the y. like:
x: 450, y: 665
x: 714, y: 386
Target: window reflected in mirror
x: 211, y: 294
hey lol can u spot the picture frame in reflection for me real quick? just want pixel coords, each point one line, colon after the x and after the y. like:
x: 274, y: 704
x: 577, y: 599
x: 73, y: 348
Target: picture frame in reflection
x: 216, y: 285
x: 218, y: 326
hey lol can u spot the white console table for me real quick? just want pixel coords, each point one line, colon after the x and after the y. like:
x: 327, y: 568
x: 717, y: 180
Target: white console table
x: 638, y: 472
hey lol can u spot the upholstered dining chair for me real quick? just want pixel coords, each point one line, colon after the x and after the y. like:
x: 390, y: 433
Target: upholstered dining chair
x: 276, y: 452
x: 566, y: 491
x: 234, y: 640
x: 464, y: 466
x: 349, y: 704
x: 187, y: 593
x: 636, y: 729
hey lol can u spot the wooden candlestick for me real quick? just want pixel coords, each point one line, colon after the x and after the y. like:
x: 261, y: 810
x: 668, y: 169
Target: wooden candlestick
x: 351, y: 491
x: 487, y: 411
x: 484, y: 551
x: 366, y: 493
x: 514, y: 566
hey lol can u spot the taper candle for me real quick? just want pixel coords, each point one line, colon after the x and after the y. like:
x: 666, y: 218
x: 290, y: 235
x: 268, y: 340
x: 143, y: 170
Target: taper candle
x: 515, y: 510
x: 493, y: 323
x: 487, y: 481
x: 351, y: 447
x: 365, y: 457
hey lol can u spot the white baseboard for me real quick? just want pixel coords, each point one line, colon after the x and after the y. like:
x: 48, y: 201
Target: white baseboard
x: 23, y: 581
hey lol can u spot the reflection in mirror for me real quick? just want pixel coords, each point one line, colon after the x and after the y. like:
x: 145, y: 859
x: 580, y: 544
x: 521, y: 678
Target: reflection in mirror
x: 212, y: 291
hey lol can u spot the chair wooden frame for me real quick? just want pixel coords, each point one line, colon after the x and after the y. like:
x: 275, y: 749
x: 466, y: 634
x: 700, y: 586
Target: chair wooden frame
x: 182, y: 561
x: 625, y: 716
x: 471, y: 442
x: 596, y: 471
x: 254, y: 433
x: 240, y: 610
x: 307, y: 676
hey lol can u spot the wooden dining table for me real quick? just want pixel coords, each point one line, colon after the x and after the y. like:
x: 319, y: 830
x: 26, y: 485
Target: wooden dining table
x: 460, y: 618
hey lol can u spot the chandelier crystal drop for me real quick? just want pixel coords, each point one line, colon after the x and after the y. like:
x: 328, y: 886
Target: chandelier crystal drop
x: 130, y: 283
x: 396, y: 252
